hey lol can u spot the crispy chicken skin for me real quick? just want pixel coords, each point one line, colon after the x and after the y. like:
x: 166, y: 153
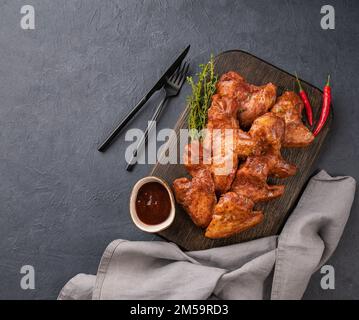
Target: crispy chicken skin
x: 289, y: 107
x: 197, y: 196
x: 233, y: 213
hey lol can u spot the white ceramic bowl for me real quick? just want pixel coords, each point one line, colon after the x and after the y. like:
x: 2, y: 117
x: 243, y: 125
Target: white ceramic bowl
x: 147, y: 227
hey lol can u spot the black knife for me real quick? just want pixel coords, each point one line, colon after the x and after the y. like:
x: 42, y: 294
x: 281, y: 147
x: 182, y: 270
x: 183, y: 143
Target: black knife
x: 139, y: 105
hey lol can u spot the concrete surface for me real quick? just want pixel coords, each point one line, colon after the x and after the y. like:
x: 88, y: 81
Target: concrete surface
x: 65, y: 84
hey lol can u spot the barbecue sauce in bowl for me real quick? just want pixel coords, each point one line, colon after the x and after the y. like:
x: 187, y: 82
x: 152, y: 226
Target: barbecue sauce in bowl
x: 153, y: 203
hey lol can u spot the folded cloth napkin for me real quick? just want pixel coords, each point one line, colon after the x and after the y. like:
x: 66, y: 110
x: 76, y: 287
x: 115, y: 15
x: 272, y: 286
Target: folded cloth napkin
x: 276, y: 267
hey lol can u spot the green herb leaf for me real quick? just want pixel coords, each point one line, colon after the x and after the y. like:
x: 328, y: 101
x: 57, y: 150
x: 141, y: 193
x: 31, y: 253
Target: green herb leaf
x: 200, y: 100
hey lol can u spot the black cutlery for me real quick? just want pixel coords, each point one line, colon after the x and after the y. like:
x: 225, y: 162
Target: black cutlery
x: 160, y: 83
x: 172, y: 88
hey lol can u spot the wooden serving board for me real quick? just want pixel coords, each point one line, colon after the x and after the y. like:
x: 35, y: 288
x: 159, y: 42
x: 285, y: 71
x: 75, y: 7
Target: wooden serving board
x: 183, y: 232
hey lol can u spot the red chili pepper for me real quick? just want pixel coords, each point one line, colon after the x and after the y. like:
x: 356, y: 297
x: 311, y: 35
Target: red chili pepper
x: 327, y: 99
x: 308, y: 107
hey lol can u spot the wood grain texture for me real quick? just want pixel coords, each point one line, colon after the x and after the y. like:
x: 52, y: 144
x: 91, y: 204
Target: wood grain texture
x: 183, y: 232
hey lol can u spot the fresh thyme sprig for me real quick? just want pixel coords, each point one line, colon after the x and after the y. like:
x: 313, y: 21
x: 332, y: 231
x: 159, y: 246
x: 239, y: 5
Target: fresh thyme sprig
x: 200, y: 100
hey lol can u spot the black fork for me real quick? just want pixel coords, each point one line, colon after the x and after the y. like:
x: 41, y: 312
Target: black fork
x: 172, y: 88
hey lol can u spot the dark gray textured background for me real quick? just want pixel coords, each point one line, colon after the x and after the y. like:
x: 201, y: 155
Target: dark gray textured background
x: 64, y: 85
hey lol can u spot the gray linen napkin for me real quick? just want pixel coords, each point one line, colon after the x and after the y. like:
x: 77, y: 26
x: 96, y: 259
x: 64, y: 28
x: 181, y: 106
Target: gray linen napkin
x: 160, y: 270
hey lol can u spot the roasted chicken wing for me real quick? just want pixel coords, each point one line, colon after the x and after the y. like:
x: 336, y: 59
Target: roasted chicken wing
x: 269, y: 132
x: 222, y: 122
x: 253, y: 101
x: 234, y: 86
x: 233, y: 213
x: 256, y: 104
x: 251, y: 181
x: 289, y: 107
x: 197, y: 196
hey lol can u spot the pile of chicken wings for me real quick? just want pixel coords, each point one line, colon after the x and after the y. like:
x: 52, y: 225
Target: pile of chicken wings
x: 246, y: 129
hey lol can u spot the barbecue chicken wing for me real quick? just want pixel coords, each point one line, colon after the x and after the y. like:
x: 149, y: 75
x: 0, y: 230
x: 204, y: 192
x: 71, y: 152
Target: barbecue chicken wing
x: 197, y: 196
x: 269, y: 132
x: 253, y: 101
x: 256, y: 104
x: 251, y: 181
x: 289, y: 107
x: 233, y: 213
x: 234, y: 86
x: 222, y: 121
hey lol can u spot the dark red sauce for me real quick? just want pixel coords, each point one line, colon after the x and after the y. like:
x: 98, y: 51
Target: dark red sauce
x: 153, y: 203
